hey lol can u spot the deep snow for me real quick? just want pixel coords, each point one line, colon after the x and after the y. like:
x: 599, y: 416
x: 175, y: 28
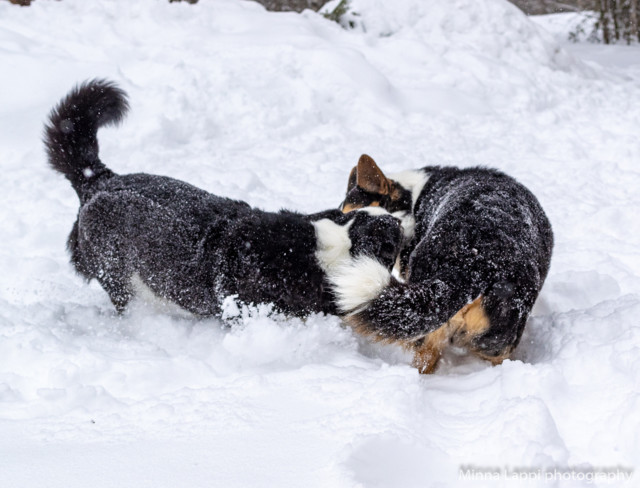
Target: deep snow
x: 275, y: 108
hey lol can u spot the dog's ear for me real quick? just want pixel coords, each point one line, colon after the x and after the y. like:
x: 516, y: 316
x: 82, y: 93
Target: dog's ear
x: 353, y: 179
x: 370, y: 178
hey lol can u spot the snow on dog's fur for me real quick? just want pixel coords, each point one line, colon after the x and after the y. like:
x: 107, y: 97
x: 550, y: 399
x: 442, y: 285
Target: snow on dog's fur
x: 478, y: 251
x: 187, y: 245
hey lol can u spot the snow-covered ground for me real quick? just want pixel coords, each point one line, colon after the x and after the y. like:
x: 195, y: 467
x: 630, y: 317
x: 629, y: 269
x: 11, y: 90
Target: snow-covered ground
x: 275, y: 108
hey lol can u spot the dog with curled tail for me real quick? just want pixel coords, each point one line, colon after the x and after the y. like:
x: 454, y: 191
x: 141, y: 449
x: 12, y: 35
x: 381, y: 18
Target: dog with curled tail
x: 188, y: 246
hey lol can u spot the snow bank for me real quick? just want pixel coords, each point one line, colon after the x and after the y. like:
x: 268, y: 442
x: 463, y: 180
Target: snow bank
x: 492, y: 30
x: 275, y: 108
x: 463, y: 52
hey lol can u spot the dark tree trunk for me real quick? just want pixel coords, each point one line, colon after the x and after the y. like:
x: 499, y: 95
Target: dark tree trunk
x: 618, y: 19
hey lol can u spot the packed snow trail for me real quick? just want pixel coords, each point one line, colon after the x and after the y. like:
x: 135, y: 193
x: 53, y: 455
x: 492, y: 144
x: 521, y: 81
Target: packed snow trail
x: 275, y: 109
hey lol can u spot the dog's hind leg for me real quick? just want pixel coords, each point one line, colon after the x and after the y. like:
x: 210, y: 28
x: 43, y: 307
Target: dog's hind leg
x: 87, y: 264
x: 77, y: 256
x: 100, y: 248
x: 428, y: 350
x: 114, y: 277
x: 505, y: 309
x: 119, y: 290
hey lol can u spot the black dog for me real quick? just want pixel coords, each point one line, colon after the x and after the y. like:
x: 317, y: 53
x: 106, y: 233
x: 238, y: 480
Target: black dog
x: 478, y: 254
x: 189, y: 246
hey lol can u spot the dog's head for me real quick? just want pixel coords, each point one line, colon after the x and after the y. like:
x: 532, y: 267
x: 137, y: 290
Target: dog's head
x: 369, y: 187
x: 368, y: 232
x: 377, y: 234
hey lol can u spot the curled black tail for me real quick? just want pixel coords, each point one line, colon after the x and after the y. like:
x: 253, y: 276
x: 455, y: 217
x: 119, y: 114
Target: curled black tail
x: 70, y: 136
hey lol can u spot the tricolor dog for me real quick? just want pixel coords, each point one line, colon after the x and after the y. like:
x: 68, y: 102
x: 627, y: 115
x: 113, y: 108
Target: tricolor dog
x: 478, y: 251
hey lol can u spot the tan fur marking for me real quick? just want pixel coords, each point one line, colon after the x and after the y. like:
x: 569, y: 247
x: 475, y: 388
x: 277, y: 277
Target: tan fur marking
x: 495, y: 360
x: 350, y: 207
x: 370, y: 177
x: 469, y: 322
x: 427, y: 353
x: 360, y: 327
x: 395, y: 192
x: 475, y: 320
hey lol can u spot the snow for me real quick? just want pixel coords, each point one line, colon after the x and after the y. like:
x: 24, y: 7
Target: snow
x: 275, y: 109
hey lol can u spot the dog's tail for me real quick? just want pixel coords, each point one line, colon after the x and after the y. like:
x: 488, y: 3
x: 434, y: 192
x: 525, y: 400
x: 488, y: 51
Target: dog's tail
x: 70, y: 136
x: 377, y: 304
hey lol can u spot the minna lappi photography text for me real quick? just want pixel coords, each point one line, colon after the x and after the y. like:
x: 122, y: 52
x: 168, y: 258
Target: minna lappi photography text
x: 550, y: 474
